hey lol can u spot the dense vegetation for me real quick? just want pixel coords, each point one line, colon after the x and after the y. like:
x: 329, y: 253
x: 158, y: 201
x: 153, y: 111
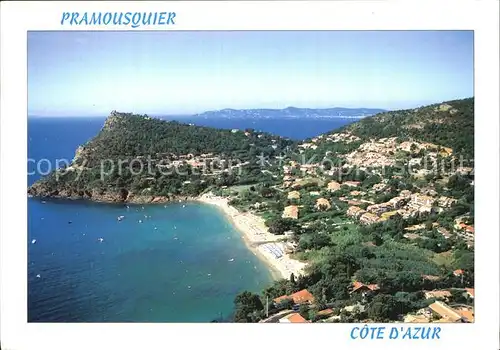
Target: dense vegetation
x: 127, y: 135
x: 451, y: 125
x: 339, y: 250
x: 125, y: 157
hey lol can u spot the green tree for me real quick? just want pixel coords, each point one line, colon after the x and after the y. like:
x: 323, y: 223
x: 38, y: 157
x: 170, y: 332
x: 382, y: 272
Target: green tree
x: 248, y: 307
x: 304, y: 311
x: 383, y: 307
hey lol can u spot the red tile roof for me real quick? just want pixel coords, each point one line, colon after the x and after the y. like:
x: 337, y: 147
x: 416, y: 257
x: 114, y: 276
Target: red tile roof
x: 300, y: 297
x: 281, y: 298
x: 358, y: 285
x: 296, y: 318
x: 458, y: 272
x: 325, y: 312
x: 467, y: 315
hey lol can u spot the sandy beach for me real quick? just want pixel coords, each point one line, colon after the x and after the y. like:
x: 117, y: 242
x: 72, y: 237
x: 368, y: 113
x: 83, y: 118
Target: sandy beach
x: 264, y: 244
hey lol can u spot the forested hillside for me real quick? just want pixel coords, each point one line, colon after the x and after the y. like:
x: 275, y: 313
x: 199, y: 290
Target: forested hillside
x: 136, y: 157
x: 449, y: 124
x: 380, y: 211
x: 128, y: 135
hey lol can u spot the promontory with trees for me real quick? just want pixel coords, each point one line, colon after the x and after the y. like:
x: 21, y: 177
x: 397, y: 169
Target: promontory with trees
x: 381, y: 210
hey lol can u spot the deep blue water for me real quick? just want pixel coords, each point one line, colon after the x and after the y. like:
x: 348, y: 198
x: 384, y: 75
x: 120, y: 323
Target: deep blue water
x: 175, y: 266
x: 299, y: 129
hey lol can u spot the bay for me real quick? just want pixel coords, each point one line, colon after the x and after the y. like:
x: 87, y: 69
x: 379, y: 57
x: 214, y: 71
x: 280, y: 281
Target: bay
x: 183, y: 262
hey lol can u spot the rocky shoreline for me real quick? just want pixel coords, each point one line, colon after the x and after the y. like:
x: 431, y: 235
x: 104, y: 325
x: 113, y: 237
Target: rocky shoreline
x: 38, y: 190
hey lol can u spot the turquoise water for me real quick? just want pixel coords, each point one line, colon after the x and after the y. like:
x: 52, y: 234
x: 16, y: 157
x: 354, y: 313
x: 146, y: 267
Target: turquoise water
x: 178, y: 272
x: 183, y: 263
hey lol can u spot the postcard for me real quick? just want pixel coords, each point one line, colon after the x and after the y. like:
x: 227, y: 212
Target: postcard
x: 197, y: 167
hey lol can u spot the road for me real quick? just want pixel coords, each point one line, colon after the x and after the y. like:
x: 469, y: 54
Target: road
x: 275, y: 318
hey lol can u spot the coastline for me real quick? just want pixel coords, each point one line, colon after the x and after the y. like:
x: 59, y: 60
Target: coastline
x: 256, y: 236
x: 113, y: 198
x: 254, y: 232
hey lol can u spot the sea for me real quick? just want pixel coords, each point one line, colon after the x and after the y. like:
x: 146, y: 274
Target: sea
x: 181, y: 262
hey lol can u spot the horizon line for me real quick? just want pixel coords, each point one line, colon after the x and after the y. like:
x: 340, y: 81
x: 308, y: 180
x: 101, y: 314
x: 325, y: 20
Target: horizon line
x: 104, y: 115
x: 34, y: 115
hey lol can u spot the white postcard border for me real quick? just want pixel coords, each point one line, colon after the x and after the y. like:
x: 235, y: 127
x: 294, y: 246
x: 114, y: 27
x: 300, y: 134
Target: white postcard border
x: 19, y: 17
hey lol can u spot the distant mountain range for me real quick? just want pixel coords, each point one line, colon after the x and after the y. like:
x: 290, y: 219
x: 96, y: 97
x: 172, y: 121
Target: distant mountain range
x: 292, y: 112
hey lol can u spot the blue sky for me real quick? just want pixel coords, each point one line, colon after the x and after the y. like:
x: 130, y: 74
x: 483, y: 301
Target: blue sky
x: 92, y: 73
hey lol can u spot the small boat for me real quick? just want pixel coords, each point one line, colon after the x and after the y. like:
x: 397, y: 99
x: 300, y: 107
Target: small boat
x: 43, y: 202
x: 140, y: 221
x: 38, y: 276
x: 156, y: 228
x: 183, y: 205
x: 101, y: 239
x: 209, y: 274
x: 33, y: 241
x: 232, y: 259
x: 70, y: 222
x: 121, y: 217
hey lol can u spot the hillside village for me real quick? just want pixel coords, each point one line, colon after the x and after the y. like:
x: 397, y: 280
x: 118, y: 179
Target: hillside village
x: 381, y: 192
x: 380, y: 212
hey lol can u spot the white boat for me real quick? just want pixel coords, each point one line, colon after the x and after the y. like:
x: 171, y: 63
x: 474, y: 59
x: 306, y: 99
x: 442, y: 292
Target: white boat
x: 101, y: 239
x: 38, y: 276
x: 121, y: 217
x: 140, y: 221
x: 33, y: 241
x: 231, y: 259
